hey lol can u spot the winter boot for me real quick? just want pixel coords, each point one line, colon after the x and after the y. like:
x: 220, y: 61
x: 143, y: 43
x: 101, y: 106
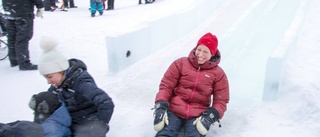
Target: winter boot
x: 92, y: 14
x: 28, y: 66
x: 13, y: 63
x: 149, y: 1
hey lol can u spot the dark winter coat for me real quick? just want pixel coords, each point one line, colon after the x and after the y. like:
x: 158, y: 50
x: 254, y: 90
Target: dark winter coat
x: 21, y: 129
x: 21, y: 8
x: 189, y: 86
x: 58, y: 124
x: 82, y: 96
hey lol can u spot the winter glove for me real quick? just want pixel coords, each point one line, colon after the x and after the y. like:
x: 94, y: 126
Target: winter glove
x: 44, y: 104
x: 160, y: 115
x: 40, y: 12
x: 204, y: 122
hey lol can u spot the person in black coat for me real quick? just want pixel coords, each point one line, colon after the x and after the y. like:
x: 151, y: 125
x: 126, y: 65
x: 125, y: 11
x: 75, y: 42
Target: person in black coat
x: 90, y: 107
x: 19, y: 25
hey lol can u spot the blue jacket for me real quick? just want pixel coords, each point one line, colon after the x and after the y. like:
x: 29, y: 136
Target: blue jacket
x: 57, y: 125
x: 81, y: 95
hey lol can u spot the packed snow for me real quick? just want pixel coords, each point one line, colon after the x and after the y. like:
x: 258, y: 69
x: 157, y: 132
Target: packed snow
x: 249, y: 33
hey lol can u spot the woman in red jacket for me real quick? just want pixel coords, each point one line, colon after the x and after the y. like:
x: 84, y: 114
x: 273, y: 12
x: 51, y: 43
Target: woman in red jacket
x: 193, y: 93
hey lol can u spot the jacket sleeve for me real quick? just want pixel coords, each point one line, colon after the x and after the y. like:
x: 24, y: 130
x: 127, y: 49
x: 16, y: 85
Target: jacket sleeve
x: 221, y: 93
x: 99, y: 98
x: 169, y: 81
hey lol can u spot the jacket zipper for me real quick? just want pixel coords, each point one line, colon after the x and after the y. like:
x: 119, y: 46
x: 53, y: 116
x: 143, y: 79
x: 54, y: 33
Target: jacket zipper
x: 193, y: 91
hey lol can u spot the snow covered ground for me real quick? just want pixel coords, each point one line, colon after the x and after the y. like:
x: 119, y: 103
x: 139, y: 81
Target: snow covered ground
x: 249, y: 31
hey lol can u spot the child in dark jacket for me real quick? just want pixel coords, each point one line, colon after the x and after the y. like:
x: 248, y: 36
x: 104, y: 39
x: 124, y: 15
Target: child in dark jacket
x: 90, y: 107
x: 51, y: 114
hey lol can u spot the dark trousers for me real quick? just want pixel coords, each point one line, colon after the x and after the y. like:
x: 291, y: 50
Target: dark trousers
x: 20, y: 31
x: 89, y: 129
x: 48, y: 4
x: 110, y: 4
x: 175, y: 124
x: 66, y: 3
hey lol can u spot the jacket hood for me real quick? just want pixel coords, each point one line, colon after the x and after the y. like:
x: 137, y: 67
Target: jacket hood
x: 214, y: 61
x: 75, y: 64
x: 77, y: 67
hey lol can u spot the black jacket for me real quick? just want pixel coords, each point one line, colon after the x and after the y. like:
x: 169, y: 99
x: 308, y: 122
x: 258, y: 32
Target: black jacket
x: 21, y: 129
x: 20, y: 8
x: 85, y: 101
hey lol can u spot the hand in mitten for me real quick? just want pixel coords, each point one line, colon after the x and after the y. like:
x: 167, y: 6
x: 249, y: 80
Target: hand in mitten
x: 40, y: 12
x: 204, y: 122
x: 160, y: 115
x: 44, y: 104
x: 33, y: 102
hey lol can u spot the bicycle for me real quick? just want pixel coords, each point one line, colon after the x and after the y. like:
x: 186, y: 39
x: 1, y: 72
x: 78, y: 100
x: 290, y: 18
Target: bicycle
x: 4, y: 50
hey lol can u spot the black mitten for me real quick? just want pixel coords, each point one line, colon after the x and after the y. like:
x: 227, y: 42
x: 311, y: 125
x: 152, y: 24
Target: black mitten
x: 44, y: 104
x: 204, y: 122
x: 160, y: 115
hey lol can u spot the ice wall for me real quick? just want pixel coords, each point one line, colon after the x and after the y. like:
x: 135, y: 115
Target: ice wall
x: 129, y: 48
x: 274, y: 67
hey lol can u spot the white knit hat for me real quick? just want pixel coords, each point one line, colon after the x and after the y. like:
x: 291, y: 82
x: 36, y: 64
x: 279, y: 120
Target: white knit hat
x: 51, y: 61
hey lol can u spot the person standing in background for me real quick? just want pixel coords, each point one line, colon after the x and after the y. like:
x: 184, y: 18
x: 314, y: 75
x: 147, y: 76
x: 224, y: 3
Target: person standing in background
x: 69, y: 4
x: 94, y: 6
x: 110, y: 5
x: 19, y: 24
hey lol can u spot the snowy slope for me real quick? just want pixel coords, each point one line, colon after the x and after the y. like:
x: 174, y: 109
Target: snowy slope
x: 245, y: 44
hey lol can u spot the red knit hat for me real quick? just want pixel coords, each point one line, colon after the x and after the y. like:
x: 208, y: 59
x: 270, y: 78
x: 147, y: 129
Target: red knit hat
x: 210, y: 41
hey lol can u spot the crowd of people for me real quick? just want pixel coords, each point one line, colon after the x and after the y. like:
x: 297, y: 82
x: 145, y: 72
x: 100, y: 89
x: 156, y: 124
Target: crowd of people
x: 193, y: 93
x: 52, y: 5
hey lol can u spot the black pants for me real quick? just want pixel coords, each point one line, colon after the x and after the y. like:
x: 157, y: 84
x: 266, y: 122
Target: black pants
x: 20, y: 31
x: 110, y: 4
x: 90, y: 129
x: 48, y: 4
x: 66, y: 3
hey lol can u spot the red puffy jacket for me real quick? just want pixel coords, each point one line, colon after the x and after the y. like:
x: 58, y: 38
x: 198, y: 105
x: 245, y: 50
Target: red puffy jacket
x: 188, y: 86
